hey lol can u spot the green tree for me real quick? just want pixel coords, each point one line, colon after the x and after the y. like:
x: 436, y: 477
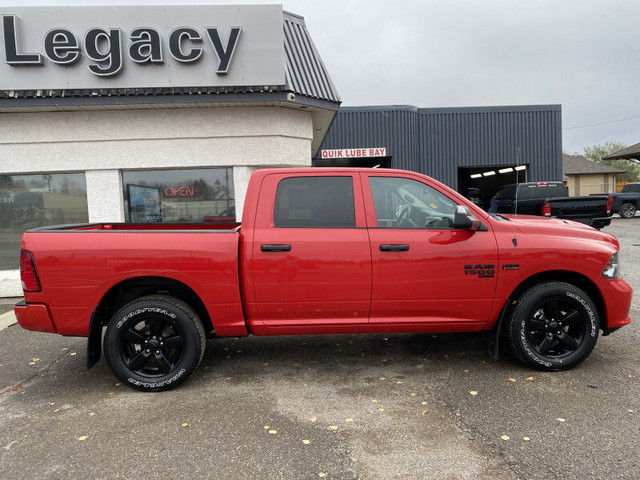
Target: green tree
x: 631, y: 167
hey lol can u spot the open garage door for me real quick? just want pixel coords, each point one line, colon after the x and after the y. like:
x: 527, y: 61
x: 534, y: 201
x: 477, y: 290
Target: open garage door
x: 479, y: 184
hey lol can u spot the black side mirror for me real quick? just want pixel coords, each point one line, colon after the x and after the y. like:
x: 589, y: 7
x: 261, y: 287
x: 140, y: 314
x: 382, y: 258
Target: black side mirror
x: 463, y: 220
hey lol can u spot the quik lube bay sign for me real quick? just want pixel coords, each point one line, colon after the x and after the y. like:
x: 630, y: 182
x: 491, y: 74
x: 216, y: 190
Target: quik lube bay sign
x: 141, y: 46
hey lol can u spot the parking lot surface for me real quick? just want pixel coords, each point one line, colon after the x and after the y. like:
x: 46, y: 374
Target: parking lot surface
x: 340, y: 407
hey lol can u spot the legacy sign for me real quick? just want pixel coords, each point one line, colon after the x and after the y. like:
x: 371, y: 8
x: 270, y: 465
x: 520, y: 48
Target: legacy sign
x: 155, y: 46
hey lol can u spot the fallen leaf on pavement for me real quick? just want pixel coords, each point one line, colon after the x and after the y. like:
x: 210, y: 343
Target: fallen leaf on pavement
x: 333, y: 427
x: 83, y: 438
x: 530, y: 379
x: 306, y: 442
x: 526, y: 439
x: 272, y: 432
x: 561, y: 420
x: 473, y: 393
x: 505, y: 437
x: 512, y: 380
x: 185, y: 424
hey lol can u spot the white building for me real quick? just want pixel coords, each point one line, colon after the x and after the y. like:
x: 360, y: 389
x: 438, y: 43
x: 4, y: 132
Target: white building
x: 140, y: 113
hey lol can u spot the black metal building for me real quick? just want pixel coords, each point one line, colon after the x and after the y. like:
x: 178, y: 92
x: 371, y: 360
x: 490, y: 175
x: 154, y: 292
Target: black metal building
x: 465, y: 148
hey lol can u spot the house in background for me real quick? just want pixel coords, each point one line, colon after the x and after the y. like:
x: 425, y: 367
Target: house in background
x: 586, y: 177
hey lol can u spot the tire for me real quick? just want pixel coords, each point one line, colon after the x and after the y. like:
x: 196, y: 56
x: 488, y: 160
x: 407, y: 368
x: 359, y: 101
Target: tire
x: 154, y: 343
x: 627, y: 210
x: 553, y: 326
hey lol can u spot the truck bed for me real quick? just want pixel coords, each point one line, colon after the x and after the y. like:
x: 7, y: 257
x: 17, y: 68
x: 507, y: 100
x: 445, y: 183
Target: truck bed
x: 77, y: 264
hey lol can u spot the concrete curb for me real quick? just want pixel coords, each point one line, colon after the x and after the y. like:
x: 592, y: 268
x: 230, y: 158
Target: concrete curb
x: 6, y: 320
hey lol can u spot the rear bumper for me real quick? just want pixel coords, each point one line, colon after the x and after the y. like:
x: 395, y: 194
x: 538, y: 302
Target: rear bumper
x: 34, y: 316
x: 617, y: 296
x: 598, y: 222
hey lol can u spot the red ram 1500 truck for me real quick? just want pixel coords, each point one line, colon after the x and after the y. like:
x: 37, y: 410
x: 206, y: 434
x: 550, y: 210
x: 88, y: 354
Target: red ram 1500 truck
x: 324, y: 251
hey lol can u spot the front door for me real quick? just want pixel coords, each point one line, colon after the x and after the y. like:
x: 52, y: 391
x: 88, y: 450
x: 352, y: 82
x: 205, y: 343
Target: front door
x: 425, y: 271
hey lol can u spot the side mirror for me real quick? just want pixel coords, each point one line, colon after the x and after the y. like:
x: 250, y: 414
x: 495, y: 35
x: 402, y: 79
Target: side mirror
x: 463, y: 220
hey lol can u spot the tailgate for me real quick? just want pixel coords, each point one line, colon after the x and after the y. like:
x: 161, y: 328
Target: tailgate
x: 573, y: 208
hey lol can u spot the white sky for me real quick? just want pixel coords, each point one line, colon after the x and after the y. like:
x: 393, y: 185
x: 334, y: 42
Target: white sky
x: 582, y: 54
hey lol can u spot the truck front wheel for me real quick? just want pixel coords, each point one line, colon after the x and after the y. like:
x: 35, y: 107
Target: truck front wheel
x: 154, y: 343
x: 553, y: 326
x: 627, y: 210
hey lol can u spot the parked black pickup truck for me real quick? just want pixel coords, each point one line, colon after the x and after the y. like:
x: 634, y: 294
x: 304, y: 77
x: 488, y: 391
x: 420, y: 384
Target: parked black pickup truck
x: 551, y: 199
x: 627, y: 202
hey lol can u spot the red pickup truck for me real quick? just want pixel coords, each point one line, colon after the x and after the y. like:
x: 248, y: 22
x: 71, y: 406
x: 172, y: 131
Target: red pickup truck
x: 324, y: 251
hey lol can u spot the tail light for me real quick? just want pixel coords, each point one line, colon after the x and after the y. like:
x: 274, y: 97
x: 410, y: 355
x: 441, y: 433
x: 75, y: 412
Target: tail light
x: 28, y: 272
x: 609, y: 202
x: 546, y: 210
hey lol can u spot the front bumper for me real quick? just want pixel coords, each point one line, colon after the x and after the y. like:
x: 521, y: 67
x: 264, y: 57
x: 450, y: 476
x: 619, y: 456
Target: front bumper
x: 34, y: 316
x: 617, y: 296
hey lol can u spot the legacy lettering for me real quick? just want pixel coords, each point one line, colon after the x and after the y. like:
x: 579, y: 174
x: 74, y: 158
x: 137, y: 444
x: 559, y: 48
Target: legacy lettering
x: 105, y: 47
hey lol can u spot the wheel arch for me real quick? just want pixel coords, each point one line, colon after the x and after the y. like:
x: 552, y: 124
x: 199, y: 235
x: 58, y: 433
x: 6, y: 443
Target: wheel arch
x: 130, y: 289
x: 574, y: 278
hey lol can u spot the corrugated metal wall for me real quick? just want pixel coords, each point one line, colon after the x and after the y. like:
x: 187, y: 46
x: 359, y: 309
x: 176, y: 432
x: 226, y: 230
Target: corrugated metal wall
x: 436, y: 141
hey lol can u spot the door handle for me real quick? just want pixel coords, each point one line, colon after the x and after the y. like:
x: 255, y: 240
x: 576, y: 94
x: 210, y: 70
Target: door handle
x: 396, y: 247
x: 276, y: 248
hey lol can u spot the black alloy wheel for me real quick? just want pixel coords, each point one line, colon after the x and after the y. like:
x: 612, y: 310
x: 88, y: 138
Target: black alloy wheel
x: 554, y: 326
x: 152, y: 347
x: 154, y: 343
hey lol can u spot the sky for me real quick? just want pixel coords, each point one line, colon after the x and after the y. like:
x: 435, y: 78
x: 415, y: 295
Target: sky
x: 582, y: 54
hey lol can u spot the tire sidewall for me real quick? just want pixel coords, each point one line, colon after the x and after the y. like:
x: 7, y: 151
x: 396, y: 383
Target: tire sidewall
x: 524, y: 309
x: 133, y: 313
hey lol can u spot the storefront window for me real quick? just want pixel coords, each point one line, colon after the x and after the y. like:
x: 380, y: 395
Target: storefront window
x: 30, y: 201
x: 199, y: 195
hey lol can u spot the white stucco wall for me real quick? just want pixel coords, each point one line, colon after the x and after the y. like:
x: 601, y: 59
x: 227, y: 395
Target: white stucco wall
x: 102, y: 143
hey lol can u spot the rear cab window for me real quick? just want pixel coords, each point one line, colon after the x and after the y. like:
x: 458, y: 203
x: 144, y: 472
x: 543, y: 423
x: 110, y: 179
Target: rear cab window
x: 542, y: 190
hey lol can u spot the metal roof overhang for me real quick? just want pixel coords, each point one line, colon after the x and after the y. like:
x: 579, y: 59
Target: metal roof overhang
x: 308, y: 87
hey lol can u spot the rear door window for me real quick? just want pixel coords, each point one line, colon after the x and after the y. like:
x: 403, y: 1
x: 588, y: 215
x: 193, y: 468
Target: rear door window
x: 315, y: 202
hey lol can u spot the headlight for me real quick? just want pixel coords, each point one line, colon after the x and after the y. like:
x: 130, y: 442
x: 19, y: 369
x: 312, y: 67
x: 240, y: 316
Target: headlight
x: 612, y: 270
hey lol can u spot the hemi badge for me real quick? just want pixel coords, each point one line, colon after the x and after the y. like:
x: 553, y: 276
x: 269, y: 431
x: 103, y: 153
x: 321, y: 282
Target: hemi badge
x: 510, y: 266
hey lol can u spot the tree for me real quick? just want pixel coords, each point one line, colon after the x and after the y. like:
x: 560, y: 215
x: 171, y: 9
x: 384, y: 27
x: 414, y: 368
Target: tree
x: 631, y: 167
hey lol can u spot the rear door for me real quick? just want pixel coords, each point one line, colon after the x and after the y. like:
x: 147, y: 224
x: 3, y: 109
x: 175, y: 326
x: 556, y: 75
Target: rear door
x: 311, y: 254
x: 425, y: 272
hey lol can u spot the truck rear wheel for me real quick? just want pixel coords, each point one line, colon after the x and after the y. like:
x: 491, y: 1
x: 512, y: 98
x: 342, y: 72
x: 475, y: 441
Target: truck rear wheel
x: 627, y: 210
x: 553, y: 326
x: 154, y: 343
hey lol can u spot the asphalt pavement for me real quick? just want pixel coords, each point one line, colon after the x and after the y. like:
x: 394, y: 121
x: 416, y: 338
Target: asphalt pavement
x: 339, y: 407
